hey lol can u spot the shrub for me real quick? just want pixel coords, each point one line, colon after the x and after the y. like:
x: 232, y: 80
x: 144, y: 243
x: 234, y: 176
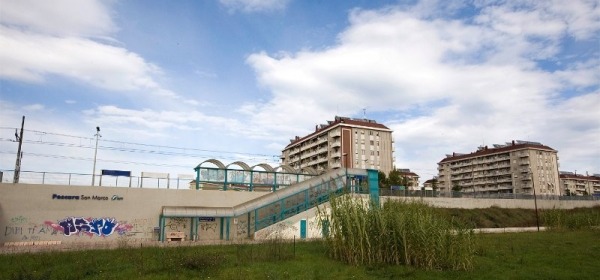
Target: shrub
x: 400, y: 232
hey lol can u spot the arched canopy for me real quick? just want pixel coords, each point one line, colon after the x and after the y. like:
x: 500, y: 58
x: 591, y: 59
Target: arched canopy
x: 241, y: 164
x: 216, y: 162
x: 309, y: 170
x: 265, y: 166
x: 287, y: 168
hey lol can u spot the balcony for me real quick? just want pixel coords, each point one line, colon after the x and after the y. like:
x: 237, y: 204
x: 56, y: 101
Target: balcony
x: 523, y: 154
x: 335, y: 144
x: 505, y: 187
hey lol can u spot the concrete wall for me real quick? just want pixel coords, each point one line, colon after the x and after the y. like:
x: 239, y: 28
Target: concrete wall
x: 59, y: 213
x: 290, y: 228
x: 91, y: 214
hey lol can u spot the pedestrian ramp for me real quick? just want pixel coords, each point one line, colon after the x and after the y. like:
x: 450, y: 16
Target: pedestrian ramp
x: 244, y: 220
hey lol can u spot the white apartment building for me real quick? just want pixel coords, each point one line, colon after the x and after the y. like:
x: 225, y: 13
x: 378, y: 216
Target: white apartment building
x: 343, y: 142
x: 515, y: 167
x: 579, y: 184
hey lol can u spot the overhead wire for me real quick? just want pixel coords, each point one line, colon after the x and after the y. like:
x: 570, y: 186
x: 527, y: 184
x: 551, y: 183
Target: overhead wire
x: 179, y: 151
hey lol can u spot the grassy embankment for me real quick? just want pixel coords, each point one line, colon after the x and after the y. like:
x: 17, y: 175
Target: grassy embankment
x: 570, y: 250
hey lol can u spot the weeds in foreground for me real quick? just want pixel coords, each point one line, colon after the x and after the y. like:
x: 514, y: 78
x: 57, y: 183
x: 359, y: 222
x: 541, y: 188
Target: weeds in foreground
x: 410, y: 233
x: 561, y: 219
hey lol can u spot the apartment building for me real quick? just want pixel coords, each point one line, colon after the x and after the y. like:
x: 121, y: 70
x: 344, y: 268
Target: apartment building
x: 579, y: 184
x: 343, y: 142
x: 515, y: 167
x: 431, y: 184
x: 412, y: 179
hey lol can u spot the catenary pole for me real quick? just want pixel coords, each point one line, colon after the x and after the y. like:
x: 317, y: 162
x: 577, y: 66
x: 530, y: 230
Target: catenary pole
x: 19, y: 154
x: 95, y: 154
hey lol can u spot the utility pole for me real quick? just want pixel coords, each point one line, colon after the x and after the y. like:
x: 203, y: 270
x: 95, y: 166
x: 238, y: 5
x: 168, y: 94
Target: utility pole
x: 19, y: 153
x: 537, y: 217
x: 95, y: 153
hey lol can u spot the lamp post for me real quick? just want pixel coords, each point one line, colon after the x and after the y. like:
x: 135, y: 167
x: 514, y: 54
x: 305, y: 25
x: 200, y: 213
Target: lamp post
x: 537, y: 218
x: 95, y: 153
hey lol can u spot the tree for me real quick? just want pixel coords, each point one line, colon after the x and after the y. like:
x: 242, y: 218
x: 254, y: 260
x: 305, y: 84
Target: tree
x: 383, y: 181
x: 456, y: 187
x: 394, y: 178
x: 434, y: 185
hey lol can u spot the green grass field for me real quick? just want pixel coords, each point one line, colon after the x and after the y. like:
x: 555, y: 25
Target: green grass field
x: 531, y: 255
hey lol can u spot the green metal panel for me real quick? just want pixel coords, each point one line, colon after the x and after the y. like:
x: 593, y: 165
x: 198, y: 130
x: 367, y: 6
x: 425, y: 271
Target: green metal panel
x: 227, y: 221
x: 221, y: 228
x: 303, y: 228
x: 197, y: 179
x: 373, y: 176
x: 161, y: 224
x: 193, y: 228
x: 248, y: 222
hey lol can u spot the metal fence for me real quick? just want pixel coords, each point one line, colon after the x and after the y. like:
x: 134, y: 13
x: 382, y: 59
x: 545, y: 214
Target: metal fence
x: 79, y: 179
x: 431, y: 193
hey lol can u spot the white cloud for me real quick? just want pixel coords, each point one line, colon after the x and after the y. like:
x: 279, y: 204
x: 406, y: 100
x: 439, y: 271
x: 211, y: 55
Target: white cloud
x: 478, y: 80
x: 51, y: 38
x: 249, y: 6
x: 34, y: 107
x: 59, y: 17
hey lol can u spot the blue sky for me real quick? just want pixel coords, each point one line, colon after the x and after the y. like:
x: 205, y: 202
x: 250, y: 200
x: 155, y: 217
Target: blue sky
x: 236, y: 79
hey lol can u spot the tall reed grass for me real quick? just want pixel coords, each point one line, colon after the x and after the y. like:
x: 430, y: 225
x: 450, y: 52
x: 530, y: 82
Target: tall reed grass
x: 562, y: 219
x: 399, y: 232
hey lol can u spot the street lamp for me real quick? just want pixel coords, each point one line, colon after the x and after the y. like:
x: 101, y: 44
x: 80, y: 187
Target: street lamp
x: 537, y: 218
x: 95, y: 153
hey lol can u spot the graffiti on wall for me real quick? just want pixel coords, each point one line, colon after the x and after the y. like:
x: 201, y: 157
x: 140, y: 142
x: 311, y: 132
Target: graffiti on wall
x: 208, y: 226
x: 90, y: 226
x: 177, y: 224
x: 242, y: 227
x: 21, y: 228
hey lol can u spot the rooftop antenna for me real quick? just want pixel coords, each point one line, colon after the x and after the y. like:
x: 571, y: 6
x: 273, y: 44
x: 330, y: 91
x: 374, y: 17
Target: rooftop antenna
x: 365, y: 113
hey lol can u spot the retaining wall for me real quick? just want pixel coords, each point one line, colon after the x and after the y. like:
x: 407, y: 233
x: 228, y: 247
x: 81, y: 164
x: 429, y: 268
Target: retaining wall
x: 35, y: 213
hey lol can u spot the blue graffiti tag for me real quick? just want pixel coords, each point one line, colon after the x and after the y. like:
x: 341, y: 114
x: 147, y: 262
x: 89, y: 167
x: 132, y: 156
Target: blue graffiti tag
x: 97, y: 226
x: 103, y: 226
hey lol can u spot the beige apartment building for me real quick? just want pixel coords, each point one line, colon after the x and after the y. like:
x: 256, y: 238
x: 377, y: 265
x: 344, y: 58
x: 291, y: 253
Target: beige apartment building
x: 343, y: 142
x: 515, y: 167
x: 412, y: 179
x: 578, y: 184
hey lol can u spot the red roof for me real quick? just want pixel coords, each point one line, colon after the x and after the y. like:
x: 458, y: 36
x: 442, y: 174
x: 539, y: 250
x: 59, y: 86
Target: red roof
x: 409, y: 174
x: 341, y: 121
x: 489, y: 151
x: 579, y: 177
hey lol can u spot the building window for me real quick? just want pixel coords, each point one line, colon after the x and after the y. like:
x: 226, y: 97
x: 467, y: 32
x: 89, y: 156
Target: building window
x: 371, y: 142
